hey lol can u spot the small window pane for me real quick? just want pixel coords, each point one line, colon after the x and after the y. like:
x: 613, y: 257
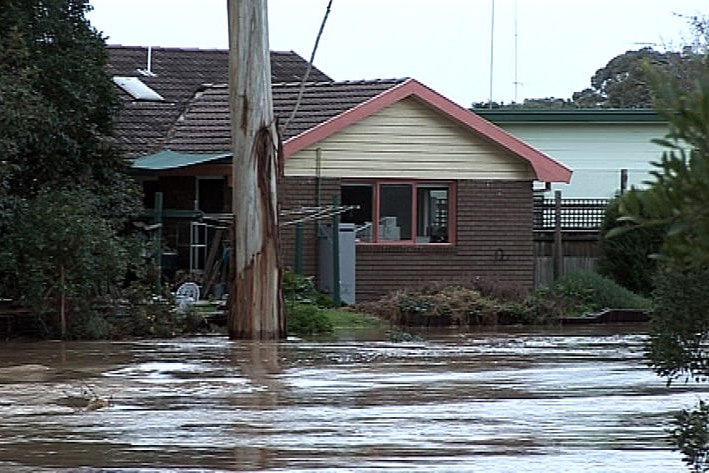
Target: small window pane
x: 432, y: 218
x: 361, y: 196
x: 395, y: 212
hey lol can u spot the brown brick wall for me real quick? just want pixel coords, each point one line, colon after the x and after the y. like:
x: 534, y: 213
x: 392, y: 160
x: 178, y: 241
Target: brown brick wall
x: 294, y: 193
x: 493, y: 240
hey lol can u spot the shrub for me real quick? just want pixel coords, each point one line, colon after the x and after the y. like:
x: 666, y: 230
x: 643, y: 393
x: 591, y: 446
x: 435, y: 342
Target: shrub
x: 306, y: 319
x: 585, y: 291
x: 626, y: 256
x: 500, y: 290
x: 455, y: 305
x: 297, y: 287
x: 576, y: 293
x: 59, y: 254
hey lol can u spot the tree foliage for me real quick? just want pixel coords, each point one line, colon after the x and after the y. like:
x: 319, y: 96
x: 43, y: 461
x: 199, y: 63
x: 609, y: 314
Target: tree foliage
x: 678, y: 201
x: 679, y: 193
x: 629, y: 257
x: 680, y: 325
x: 58, y: 102
x: 57, y: 232
x: 690, y: 431
x: 64, y: 192
x: 548, y: 103
x: 624, y: 82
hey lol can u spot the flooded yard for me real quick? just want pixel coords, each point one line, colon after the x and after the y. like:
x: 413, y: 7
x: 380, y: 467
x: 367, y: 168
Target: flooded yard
x: 578, y: 399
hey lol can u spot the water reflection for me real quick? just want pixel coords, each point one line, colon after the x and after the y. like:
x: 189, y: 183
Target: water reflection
x: 555, y: 400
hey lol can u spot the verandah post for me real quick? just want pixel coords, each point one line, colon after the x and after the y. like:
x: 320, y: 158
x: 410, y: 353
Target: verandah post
x: 558, y: 252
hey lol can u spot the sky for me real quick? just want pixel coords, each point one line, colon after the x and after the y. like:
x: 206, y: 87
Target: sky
x: 539, y: 48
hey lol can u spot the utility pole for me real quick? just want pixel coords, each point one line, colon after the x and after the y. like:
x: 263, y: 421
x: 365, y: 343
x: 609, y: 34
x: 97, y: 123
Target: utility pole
x: 255, y: 295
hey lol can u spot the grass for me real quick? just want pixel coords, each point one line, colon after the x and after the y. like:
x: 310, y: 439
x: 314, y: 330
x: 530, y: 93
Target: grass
x: 347, y: 319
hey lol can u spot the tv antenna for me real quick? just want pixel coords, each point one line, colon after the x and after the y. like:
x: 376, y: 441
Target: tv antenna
x: 492, y: 48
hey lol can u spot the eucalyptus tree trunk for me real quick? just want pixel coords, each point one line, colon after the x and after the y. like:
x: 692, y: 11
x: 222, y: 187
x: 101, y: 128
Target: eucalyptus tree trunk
x: 256, y: 301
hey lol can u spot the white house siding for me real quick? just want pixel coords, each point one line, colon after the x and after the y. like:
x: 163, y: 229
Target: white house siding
x: 595, y: 152
x: 408, y: 140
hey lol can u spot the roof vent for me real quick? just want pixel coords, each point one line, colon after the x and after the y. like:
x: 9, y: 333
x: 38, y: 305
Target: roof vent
x: 148, y: 71
x: 137, y: 89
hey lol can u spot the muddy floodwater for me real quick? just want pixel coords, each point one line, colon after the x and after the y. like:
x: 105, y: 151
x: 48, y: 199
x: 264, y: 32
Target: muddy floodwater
x: 552, y: 400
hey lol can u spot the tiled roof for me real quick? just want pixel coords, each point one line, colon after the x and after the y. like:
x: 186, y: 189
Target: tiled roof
x: 205, y: 126
x: 328, y: 107
x: 178, y: 75
x: 545, y: 168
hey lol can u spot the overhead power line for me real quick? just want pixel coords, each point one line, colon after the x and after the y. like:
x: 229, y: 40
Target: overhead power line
x: 310, y: 66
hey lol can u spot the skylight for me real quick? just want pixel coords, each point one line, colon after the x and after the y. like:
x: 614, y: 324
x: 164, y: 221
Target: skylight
x: 137, y: 89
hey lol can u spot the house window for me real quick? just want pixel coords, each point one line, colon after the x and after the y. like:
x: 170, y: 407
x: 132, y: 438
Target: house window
x: 432, y: 213
x: 398, y: 212
x: 150, y: 187
x: 210, y: 194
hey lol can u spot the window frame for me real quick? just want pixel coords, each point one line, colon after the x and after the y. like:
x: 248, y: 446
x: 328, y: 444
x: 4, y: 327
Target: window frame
x: 414, y: 183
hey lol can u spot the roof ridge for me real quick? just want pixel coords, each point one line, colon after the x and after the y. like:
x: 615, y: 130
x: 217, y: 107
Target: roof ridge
x: 166, y: 48
x: 394, y: 80
x: 191, y: 48
x: 223, y: 85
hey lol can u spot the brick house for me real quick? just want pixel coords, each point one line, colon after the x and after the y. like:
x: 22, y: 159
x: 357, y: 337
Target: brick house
x: 442, y: 194
x: 437, y: 194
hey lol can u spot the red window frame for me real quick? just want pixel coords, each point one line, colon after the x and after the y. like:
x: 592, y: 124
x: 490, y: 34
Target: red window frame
x: 415, y: 184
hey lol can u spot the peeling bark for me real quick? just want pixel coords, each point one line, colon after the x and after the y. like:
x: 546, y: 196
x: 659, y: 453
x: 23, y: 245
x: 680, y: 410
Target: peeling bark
x: 256, y: 301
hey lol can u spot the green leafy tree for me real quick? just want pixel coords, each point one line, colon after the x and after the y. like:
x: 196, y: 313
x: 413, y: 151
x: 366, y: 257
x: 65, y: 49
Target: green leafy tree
x: 623, y: 82
x: 678, y: 198
x: 626, y: 81
x: 679, y: 194
x: 64, y: 191
x: 548, y: 103
x: 58, y: 102
x: 588, y: 98
x: 64, y: 257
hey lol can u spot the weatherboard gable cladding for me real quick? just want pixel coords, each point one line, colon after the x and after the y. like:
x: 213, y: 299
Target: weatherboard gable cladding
x: 596, y: 143
x: 407, y: 139
x: 544, y: 167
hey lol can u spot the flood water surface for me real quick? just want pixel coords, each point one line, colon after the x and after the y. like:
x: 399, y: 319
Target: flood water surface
x: 554, y: 401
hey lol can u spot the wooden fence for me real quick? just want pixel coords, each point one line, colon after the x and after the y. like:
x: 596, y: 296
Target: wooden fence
x: 566, y: 233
